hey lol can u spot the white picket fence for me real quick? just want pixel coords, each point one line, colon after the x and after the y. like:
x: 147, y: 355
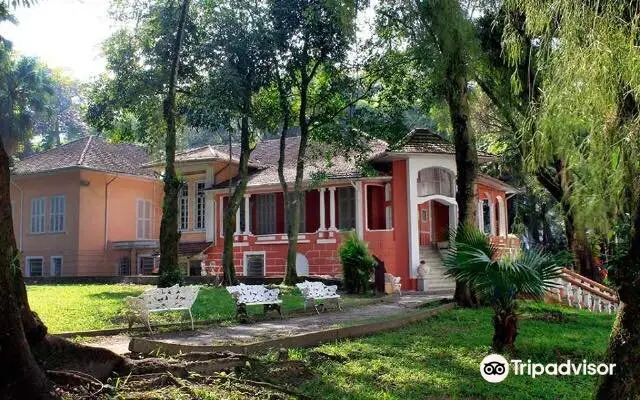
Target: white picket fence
x: 577, y: 291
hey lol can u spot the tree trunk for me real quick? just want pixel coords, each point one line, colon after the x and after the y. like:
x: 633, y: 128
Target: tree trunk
x: 558, y: 184
x: 294, y: 198
x: 20, y: 375
x: 228, y: 268
x: 624, y: 343
x: 466, y: 157
x: 170, y: 273
x: 505, y: 331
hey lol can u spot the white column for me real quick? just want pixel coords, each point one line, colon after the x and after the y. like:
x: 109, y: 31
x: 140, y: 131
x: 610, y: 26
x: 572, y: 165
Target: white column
x: 210, y: 175
x: 492, y: 217
x: 453, y: 218
x: 247, y: 215
x: 209, y: 216
x: 359, y: 210
x: 332, y: 209
x: 414, y: 237
x: 238, y: 221
x: 322, y: 216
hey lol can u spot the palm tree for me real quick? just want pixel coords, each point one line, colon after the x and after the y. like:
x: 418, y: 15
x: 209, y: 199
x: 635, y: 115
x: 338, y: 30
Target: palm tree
x: 26, y: 89
x: 474, y: 260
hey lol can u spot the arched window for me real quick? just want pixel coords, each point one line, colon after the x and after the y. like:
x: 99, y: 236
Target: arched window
x: 435, y: 181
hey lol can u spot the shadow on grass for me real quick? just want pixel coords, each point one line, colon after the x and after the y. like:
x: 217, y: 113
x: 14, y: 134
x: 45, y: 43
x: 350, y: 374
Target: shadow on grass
x: 440, y: 357
x: 120, y: 295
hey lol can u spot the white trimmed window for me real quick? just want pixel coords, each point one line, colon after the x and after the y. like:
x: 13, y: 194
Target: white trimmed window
x: 200, y: 205
x: 143, y: 219
x: 37, y: 215
x: 183, y: 203
x: 34, y: 266
x: 57, y: 214
x: 56, y: 266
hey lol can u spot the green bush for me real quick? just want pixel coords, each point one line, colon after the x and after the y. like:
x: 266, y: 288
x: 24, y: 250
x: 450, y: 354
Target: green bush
x: 171, y: 277
x: 357, y: 263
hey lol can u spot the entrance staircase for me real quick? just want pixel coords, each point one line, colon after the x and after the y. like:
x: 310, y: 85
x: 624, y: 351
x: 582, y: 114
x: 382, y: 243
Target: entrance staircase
x: 435, y: 282
x: 577, y: 291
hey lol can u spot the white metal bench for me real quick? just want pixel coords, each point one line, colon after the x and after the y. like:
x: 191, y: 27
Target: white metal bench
x: 175, y: 298
x: 314, y: 292
x: 250, y: 295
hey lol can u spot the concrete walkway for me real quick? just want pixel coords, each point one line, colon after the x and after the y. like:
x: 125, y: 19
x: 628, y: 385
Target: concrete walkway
x: 275, y: 328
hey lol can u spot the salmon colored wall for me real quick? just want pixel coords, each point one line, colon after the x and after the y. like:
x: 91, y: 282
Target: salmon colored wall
x: 401, y: 223
x: 48, y: 244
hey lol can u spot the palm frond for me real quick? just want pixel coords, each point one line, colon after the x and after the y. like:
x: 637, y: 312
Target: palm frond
x: 472, y: 260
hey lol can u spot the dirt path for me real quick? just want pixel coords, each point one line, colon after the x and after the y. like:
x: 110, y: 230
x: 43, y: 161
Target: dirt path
x: 247, y: 333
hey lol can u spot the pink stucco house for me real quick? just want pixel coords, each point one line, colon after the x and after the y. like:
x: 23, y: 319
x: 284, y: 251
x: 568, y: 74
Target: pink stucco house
x: 402, y: 203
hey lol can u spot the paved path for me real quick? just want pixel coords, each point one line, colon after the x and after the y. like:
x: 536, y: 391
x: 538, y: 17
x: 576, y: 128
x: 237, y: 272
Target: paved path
x: 271, y: 329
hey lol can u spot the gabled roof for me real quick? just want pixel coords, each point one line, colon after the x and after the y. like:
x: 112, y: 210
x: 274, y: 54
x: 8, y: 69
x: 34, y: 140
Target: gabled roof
x: 320, y: 158
x: 90, y: 152
x: 424, y: 140
x: 204, y: 153
x: 494, y: 182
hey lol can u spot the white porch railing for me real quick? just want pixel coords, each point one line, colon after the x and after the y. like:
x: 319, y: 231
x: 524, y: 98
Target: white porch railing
x: 577, y: 291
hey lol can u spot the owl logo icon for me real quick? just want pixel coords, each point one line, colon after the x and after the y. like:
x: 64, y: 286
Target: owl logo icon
x: 494, y: 368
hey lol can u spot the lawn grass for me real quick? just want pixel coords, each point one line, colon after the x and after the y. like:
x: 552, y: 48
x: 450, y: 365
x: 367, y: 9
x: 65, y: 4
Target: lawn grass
x: 439, y: 358
x: 72, y: 308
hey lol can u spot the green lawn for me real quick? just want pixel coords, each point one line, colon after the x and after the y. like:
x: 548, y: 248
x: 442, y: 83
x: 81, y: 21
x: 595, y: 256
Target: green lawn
x: 66, y: 308
x: 439, y: 358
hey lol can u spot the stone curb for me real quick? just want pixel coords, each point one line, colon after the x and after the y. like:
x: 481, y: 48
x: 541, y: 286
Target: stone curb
x: 148, y: 346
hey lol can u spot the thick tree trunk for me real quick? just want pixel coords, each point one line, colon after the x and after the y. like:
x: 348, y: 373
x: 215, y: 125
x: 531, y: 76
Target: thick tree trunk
x: 624, y: 343
x: 505, y: 331
x: 229, y: 222
x: 466, y: 158
x: 170, y: 273
x: 20, y: 375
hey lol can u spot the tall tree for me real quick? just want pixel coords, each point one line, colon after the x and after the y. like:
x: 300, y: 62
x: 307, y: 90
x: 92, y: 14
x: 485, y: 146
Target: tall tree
x: 588, y: 74
x: 20, y: 375
x: 439, y: 36
x: 312, y: 40
x: 63, y: 118
x: 516, y: 96
x: 239, y: 54
x: 25, y: 346
x: 170, y: 273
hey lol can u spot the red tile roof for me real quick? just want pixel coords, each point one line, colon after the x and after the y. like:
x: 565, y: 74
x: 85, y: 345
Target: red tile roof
x: 331, y: 162
x: 90, y: 152
x: 424, y: 140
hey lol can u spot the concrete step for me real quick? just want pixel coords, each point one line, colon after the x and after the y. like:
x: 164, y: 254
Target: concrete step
x: 441, y: 292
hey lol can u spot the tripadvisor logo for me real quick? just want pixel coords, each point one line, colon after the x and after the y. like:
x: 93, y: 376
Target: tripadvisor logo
x: 494, y: 368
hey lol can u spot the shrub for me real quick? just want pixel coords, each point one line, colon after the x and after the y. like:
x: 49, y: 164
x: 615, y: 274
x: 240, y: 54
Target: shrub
x: 472, y: 260
x: 171, y: 277
x: 357, y: 263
